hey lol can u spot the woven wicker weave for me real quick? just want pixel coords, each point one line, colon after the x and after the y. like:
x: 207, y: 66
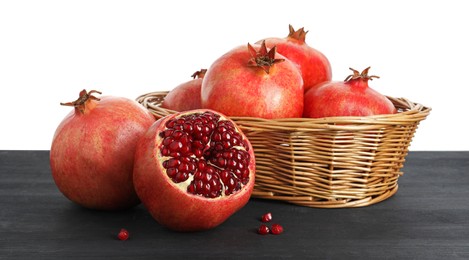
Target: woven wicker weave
x: 329, y: 162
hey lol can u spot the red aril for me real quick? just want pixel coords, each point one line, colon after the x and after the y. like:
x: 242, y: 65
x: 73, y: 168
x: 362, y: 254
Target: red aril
x: 267, y: 217
x: 352, y: 97
x: 263, y: 230
x: 194, y: 169
x: 185, y: 96
x: 314, y: 65
x: 123, y: 234
x: 276, y: 229
x: 92, y: 152
x: 253, y: 81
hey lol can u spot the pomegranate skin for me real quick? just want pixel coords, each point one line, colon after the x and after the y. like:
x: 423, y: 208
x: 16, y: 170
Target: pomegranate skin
x: 172, y: 206
x: 337, y: 99
x: 185, y: 96
x: 348, y: 98
x: 233, y: 88
x: 314, y: 66
x: 92, y: 153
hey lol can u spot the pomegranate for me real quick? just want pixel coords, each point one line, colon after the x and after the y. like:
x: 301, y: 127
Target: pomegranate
x: 314, y: 66
x: 194, y: 169
x: 185, y: 96
x: 351, y: 97
x: 92, y: 152
x: 247, y: 82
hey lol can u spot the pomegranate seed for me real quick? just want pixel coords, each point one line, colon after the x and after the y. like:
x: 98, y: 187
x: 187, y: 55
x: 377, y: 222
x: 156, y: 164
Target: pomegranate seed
x: 222, y: 129
x: 188, y: 127
x: 216, y: 137
x: 263, y: 230
x: 198, y: 153
x: 172, y: 162
x: 221, y: 162
x: 171, y: 172
x: 123, y: 234
x: 232, y: 164
x: 276, y: 229
x: 267, y: 217
x: 198, y: 128
x: 175, y: 146
x: 177, y: 134
x: 170, y: 124
x: 183, y: 167
x: 226, y: 136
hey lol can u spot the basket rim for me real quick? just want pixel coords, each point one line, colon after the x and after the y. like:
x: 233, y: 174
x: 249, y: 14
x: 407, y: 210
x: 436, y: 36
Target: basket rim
x: 408, y: 113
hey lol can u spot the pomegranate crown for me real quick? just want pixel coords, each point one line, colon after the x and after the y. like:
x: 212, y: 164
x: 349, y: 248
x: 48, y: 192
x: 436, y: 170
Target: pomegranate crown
x: 263, y: 58
x: 80, y: 102
x: 363, y: 75
x: 299, y: 34
x: 199, y: 74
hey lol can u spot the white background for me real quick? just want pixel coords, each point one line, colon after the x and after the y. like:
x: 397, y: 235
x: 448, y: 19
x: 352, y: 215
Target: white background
x: 50, y: 50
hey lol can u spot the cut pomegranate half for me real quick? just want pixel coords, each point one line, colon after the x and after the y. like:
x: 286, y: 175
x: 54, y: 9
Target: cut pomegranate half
x: 194, y: 164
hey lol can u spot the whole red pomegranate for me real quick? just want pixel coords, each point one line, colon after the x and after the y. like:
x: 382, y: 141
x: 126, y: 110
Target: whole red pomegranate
x: 92, y: 152
x: 185, y: 96
x: 314, y: 66
x: 247, y: 82
x: 351, y: 97
x: 193, y: 170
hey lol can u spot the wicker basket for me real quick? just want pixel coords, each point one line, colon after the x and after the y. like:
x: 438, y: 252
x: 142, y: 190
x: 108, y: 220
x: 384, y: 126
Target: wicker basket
x: 332, y: 162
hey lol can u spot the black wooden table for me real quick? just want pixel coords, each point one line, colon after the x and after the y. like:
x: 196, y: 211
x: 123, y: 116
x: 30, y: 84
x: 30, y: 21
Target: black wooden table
x: 428, y: 218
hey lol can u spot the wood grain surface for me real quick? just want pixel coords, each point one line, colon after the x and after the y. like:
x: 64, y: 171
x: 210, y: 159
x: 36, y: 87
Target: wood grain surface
x: 426, y: 219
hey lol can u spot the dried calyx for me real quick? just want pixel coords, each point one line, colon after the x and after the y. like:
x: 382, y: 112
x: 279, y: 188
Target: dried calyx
x: 299, y: 35
x: 263, y: 58
x: 199, y: 74
x: 81, y: 103
x: 362, y: 75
